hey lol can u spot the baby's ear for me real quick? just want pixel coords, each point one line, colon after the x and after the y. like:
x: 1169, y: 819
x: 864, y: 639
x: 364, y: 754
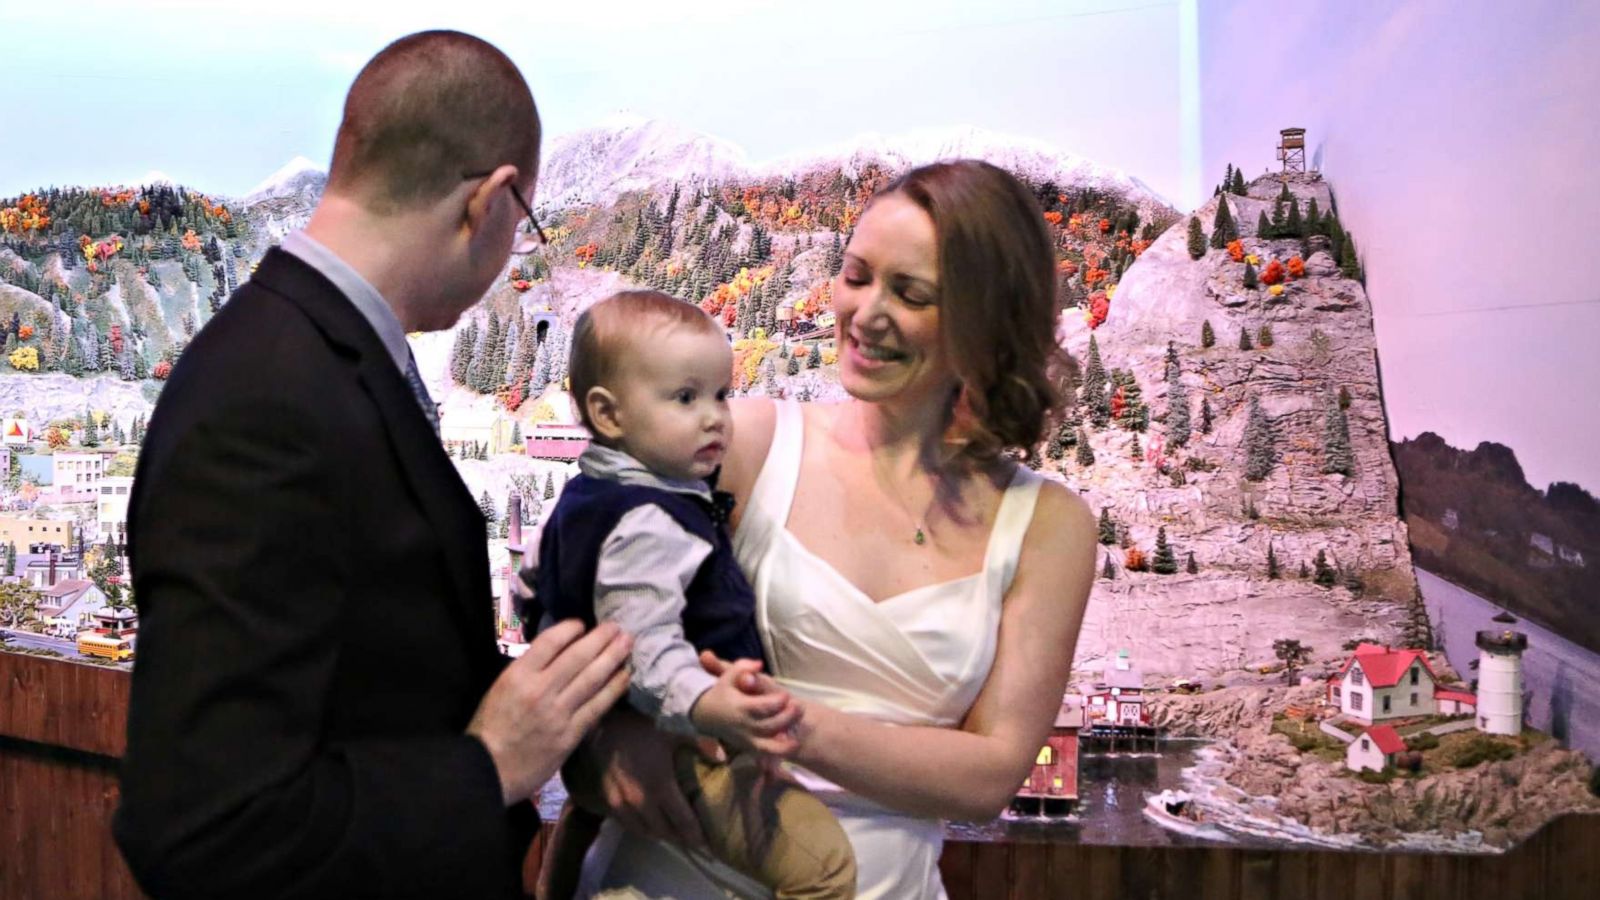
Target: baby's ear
x: 601, y: 405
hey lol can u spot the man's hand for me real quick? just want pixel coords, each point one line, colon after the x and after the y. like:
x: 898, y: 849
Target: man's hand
x: 544, y: 702
x: 747, y: 710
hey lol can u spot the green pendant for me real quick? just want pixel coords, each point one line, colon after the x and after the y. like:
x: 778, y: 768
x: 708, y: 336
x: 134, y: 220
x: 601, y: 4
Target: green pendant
x: 920, y: 538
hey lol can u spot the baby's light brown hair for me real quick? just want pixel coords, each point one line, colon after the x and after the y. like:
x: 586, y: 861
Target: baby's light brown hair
x: 617, y: 326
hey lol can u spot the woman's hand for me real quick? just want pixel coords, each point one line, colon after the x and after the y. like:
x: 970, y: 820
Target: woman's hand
x: 637, y: 781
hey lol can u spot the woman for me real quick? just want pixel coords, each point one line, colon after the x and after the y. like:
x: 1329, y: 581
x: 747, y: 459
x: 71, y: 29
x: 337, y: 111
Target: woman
x: 918, y: 593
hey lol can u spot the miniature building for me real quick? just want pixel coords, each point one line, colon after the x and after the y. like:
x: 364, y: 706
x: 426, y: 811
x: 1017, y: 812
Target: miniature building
x: 1377, y: 683
x: 47, y: 565
x: 121, y: 621
x: 69, y: 604
x: 556, y: 442
x: 1118, y: 698
x: 77, y: 469
x: 1450, y: 701
x: 1292, y: 149
x: 1051, y: 788
x: 25, y: 532
x: 1375, y: 749
x: 1500, y: 681
x: 111, y: 507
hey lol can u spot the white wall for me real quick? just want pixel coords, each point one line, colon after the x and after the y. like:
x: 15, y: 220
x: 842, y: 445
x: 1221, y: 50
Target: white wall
x: 1463, y: 146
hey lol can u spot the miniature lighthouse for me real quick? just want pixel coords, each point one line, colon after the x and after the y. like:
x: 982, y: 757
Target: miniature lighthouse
x: 1500, y: 681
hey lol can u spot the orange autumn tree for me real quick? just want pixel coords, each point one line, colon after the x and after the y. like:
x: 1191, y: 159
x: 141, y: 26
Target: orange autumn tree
x: 1273, y: 274
x: 1236, y: 250
x: 1297, y: 267
x: 585, y: 253
x: 1134, y: 560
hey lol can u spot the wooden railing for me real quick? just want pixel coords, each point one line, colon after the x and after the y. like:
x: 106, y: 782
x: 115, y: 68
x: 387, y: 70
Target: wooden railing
x: 61, y: 733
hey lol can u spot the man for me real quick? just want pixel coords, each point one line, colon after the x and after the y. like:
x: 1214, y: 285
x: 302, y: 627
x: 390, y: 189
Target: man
x: 319, y: 707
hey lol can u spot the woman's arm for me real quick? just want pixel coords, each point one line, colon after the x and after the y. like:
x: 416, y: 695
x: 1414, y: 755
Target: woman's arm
x: 972, y: 773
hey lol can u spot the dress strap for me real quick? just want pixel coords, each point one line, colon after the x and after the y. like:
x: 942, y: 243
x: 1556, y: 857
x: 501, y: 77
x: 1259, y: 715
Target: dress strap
x: 1011, y: 523
x: 768, y: 508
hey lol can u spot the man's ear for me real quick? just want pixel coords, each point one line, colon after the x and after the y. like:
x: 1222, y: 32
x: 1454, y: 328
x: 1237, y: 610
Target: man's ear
x: 491, y: 190
x: 603, y: 409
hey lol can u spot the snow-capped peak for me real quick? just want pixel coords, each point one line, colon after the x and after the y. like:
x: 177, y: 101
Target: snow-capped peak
x: 155, y: 176
x: 627, y: 152
x: 287, y: 179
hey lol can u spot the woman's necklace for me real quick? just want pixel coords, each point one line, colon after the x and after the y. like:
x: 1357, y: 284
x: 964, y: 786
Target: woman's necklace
x: 920, y: 537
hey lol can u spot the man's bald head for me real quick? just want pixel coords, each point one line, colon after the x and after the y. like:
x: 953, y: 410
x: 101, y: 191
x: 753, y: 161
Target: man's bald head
x: 425, y: 111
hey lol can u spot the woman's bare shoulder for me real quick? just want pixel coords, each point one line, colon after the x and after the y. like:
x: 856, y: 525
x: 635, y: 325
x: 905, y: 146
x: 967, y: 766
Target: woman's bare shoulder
x: 1062, y: 538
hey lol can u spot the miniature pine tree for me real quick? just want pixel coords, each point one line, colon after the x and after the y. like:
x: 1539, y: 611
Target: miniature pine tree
x: 1085, y: 452
x: 1108, y: 528
x: 1263, y: 227
x: 1109, y: 570
x: 1324, y: 574
x: 1135, y: 452
x: 1349, y: 261
x: 486, y: 504
x: 1283, y: 195
x: 1258, y: 442
x: 1197, y: 239
x: 1336, y: 440
x: 814, y: 358
x: 516, y: 433
x: 1165, y: 562
x: 1171, y: 367
x: 1344, y: 397
x: 1304, y: 572
x: 1272, y: 564
x: 1208, y: 337
x: 1227, y: 178
x: 1094, y: 387
x: 1222, y: 228
x: 793, y: 368
x: 549, y: 486
x: 1264, y: 336
x: 1313, y: 218
x: 1238, y: 182
x: 91, y: 431
x: 1293, y: 224
x: 1054, y: 448
x: 1244, y: 339
x: 1250, y: 280
x: 1205, y: 415
x: 1189, y: 566
x: 1178, y: 415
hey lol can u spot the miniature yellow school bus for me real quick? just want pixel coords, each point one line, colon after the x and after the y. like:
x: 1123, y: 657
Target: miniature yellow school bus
x: 115, y: 649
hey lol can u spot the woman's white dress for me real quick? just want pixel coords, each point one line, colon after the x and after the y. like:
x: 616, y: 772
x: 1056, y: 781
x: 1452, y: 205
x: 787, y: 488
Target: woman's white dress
x: 917, y: 658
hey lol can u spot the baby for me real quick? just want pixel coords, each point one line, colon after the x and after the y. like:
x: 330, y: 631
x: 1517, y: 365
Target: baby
x: 639, y: 538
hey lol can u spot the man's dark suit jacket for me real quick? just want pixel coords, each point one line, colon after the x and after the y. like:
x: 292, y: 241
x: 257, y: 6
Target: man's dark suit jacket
x: 316, y: 623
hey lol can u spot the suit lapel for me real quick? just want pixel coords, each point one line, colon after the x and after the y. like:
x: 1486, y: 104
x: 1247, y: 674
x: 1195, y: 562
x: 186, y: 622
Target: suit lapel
x: 444, y: 498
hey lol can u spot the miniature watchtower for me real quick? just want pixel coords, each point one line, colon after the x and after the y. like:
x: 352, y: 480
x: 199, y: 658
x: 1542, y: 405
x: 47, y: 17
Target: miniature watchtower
x: 1500, y: 681
x: 1292, y: 149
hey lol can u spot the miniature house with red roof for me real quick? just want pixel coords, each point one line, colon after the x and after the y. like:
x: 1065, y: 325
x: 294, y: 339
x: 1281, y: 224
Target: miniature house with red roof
x: 1375, y: 749
x: 1378, y: 683
x: 1051, y: 788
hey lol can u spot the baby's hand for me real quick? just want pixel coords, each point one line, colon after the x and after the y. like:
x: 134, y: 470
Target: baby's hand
x: 758, y: 719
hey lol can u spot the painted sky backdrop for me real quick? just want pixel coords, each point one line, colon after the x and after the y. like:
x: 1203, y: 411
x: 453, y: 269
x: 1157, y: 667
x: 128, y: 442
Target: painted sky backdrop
x: 220, y: 95
x: 1463, y: 144
x: 1460, y: 136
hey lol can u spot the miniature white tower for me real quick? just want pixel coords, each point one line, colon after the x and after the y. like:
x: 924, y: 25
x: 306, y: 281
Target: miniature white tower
x: 1500, y: 681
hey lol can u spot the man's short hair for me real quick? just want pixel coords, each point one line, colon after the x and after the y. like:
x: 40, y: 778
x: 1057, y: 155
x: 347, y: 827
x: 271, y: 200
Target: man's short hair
x: 427, y: 110
x: 617, y: 326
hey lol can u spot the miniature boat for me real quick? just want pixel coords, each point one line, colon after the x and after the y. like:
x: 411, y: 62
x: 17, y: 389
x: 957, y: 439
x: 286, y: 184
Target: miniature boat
x: 1175, y: 811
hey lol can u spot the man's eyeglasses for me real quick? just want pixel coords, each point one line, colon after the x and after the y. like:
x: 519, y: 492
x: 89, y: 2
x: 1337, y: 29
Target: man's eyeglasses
x: 530, y: 237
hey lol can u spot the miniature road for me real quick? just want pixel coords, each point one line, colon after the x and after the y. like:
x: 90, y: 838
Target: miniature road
x: 40, y: 642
